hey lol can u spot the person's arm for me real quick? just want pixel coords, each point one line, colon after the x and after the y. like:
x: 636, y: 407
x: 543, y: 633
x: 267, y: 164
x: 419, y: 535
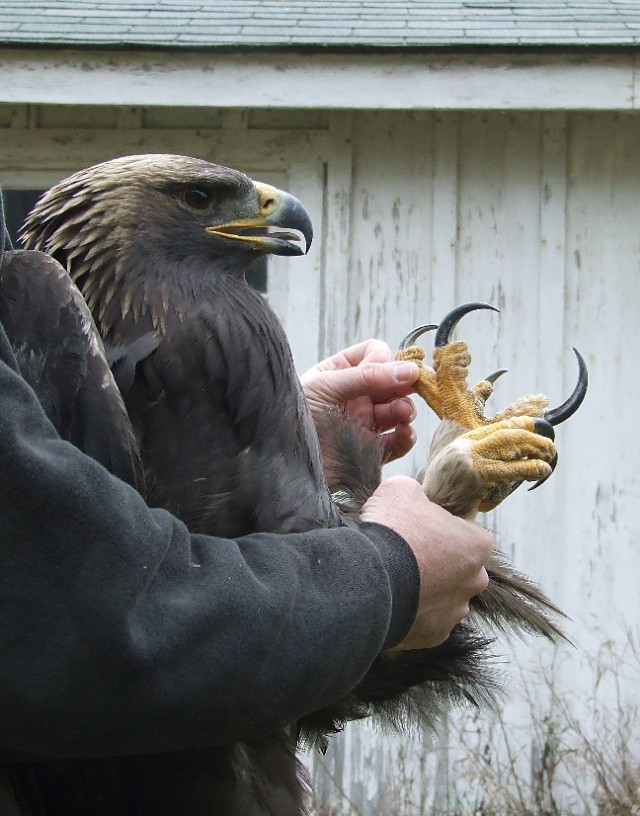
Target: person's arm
x: 122, y: 633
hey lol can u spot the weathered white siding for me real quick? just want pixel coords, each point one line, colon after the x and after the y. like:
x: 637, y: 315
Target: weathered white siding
x: 535, y: 212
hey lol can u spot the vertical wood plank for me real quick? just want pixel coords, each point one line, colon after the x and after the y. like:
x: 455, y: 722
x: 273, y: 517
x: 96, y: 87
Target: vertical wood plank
x: 335, y: 238
x: 303, y: 277
x: 444, y: 220
x: 389, y: 281
x: 539, y: 319
x: 546, y: 356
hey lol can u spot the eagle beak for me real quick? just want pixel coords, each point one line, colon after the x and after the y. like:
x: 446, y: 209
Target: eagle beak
x: 275, y: 209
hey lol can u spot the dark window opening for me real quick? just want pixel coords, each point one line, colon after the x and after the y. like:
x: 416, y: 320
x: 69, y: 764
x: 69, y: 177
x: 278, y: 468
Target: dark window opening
x: 17, y: 205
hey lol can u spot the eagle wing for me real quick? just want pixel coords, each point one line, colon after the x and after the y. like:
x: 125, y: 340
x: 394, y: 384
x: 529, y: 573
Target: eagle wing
x: 61, y: 356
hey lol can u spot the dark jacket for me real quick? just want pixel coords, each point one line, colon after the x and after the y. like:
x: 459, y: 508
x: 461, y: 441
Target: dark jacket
x: 122, y: 633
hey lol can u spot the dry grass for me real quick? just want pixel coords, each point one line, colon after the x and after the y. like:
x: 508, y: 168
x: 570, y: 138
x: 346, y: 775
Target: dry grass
x: 573, y: 754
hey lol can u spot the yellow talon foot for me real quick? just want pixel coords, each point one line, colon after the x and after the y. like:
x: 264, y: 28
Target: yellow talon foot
x: 477, y: 461
x: 478, y: 469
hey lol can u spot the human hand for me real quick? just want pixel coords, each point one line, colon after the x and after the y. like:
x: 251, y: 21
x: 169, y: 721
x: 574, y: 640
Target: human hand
x: 451, y: 554
x: 373, y: 390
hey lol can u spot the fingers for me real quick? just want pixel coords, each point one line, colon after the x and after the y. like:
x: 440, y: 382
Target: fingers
x: 450, y: 553
x: 482, y: 583
x: 392, y: 421
x: 397, y: 443
x: 379, y: 382
x: 388, y: 415
x: 372, y: 388
x: 369, y: 351
x: 441, y: 628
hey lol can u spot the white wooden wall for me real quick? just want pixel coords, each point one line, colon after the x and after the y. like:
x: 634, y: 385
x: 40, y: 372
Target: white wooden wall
x: 538, y: 214
x: 534, y: 212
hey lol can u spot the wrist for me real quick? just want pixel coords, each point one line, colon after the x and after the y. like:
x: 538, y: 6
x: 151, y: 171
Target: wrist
x: 404, y: 578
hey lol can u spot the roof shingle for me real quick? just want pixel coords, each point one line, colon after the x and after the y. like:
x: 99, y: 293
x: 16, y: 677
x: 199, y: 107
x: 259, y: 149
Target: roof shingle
x: 322, y: 23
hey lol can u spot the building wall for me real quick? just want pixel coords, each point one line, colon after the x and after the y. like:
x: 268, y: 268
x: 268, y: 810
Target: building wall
x: 535, y: 212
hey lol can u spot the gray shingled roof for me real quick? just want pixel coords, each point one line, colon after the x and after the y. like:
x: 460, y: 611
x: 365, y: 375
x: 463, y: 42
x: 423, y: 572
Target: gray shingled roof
x: 321, y: 23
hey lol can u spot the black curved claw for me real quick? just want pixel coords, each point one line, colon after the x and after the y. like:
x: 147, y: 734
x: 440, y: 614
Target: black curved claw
x: 496, y: 375
x: 411, y: 338
x: 451, y: 320
x: 554, y: 416
x: 568, y: 408
x: 544, y: 428
x: 553, y: 464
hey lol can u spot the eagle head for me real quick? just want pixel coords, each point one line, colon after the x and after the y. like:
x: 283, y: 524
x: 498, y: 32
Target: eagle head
x: 154, y: 227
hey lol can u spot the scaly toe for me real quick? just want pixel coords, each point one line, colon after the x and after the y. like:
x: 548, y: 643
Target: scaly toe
x: 451, y: 364
x: 426, y: 387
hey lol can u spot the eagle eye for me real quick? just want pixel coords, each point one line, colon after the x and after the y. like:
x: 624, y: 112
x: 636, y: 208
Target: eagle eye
x: 198, y: 198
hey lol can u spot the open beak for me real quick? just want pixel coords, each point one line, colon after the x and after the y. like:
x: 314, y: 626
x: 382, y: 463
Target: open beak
x: 280, y: 226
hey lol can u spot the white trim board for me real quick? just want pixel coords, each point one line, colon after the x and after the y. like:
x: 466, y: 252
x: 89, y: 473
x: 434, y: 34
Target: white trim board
x: 391, y: 81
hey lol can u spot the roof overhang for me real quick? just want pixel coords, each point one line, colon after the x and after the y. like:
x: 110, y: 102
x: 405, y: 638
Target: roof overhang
x: 509, y: 80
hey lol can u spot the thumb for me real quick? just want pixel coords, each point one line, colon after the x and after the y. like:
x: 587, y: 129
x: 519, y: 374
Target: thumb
x: 379, y: 381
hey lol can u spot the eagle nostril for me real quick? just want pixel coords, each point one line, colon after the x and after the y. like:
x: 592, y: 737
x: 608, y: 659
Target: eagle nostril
x: 267, y: 205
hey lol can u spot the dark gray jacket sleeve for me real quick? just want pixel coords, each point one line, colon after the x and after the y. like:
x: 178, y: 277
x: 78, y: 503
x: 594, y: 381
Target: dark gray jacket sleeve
x: 122, y: 633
